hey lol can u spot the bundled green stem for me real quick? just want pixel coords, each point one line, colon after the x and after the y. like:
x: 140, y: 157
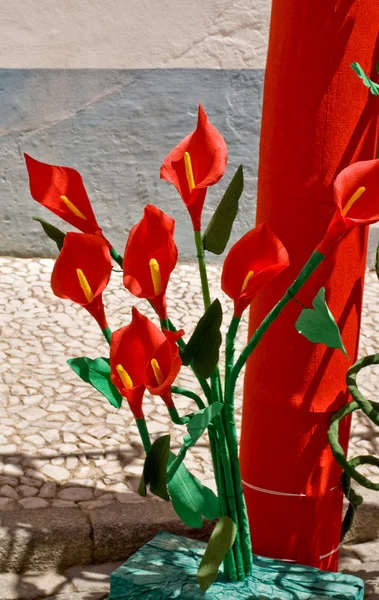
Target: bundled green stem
x: 222, y: 445
x: 232, y: 441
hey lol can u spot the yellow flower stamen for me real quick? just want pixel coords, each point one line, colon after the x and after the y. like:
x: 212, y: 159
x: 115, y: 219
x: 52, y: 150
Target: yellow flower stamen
x: 73, y: 208
x: 155, y: 276
x: 84, y: 285
x: 189, y: 172
x: 352, y: 200
x: 246, y: 281
x: 157, y: 371
x: 125, y: 377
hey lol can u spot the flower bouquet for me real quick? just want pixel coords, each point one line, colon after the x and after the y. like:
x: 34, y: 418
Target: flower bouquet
x: 146, y: 355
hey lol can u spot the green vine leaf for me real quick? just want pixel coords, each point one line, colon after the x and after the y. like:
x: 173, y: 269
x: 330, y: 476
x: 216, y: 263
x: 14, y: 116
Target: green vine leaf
x: 220, y: 542
x: 318, y: 324
x: 218, y: 232
x: 372, y: 86
x: 97, y: 372
x: 52, y: 232
x: 155, y: 469
x: 377, y: 262
x: 203, y: 348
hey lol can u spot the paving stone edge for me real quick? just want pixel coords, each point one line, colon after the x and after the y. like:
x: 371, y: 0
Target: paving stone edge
x: 59, y: 538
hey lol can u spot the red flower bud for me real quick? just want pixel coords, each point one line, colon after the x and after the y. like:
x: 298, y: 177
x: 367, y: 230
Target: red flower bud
x: 61, y: 190
x: 194, y: 164
x: 251, y: 264
x: 150, y: 257
x: 142, y: 356
x: 356, y: 196
x: 82, y: 271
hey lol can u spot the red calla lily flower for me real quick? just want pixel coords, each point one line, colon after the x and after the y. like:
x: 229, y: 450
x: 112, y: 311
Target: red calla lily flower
x: 62, y: 191
x: 82, y: 271
x: 356, y: 196
x: 252, y: 263
x: 195, y: 163
x: 142, y: 356
x: 150, y: 257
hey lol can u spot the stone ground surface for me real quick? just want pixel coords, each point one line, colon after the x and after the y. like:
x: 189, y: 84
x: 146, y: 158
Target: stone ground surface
x: 62, y: 445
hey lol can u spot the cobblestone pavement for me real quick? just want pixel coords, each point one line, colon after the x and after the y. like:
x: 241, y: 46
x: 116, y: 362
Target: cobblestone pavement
x: 61, y: 443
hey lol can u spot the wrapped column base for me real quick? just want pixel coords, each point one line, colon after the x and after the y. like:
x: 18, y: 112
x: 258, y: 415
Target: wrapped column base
x: 166, y: 568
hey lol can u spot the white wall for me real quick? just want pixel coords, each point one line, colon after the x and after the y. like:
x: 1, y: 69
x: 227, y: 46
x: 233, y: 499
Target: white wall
x: 133, y: 33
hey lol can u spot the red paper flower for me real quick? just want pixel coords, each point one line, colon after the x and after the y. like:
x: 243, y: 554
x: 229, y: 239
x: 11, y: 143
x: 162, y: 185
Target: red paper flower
x: 142, y: 356
x: 356, y: 195
x: 82, y: 271
x: 150, y: 257
x: 253, y: 262
x: 194, y: 164
x: 61, y: 190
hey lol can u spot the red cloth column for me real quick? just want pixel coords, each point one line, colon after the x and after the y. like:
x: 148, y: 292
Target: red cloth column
x: 317, y: 119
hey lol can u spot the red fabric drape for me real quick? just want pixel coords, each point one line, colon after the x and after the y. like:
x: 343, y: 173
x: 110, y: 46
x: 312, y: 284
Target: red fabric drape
x: 317, y: 118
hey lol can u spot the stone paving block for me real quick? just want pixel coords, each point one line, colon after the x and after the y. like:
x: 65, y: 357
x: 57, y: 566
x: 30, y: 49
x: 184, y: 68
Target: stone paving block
x: 44, y: 538
x: 368, y: 552
x: 121, y: 530
x: 80, y: 596
x: 30, y: 586
x: 369, y: 572
x: 92, y: 578
x: 366, y: 521
x: 348, y: 560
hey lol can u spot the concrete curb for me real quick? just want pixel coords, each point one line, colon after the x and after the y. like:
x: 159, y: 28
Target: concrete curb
x: 59, y: 538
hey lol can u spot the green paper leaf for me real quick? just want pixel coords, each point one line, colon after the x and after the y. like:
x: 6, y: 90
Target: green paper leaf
x: 377, y: 262
x: 203, y: 348
x: 200, y: 421
x: 97, y: 372
x: 142, y: 487
x: 377, y: 67
x: 220, y: 542
x: 52, y: 232
x: 218, y: 232
x: 191, y: 499
x: 318, y: 324
x: 373, y: 87
x: 155, y: 469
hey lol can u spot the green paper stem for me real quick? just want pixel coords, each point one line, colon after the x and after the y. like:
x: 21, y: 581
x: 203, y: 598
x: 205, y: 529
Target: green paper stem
x: 175, y: 389
x: 107, y: 332
x: 312, y: 264
x: 230, y: 569
x: 229, y: 346
x: 232, y: 441
x: 202, y: 269
x: 354, y: 500
x: 116, y: 256
x: 222, y: 446
x: 144, y: 434
x: 176, y: 418
x: 165, y: 324
x: 225, y: 460
x: 371, y: 409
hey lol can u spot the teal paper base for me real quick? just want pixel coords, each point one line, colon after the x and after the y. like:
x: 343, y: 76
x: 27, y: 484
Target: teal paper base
x: 166, y: 568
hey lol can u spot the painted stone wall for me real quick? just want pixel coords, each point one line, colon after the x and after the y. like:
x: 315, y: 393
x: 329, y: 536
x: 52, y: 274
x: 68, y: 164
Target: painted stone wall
x: 109, y: 87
